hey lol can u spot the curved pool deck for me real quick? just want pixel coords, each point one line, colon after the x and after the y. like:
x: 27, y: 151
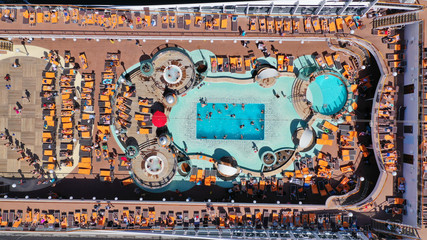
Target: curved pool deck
x: 280, y: 120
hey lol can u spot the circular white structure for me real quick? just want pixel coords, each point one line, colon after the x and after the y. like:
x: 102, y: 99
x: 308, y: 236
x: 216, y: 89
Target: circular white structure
x: 306, y: 138
x: 170, y: 99
x: 154, y: 165
x: 172, y: 74
x: 163, y: 140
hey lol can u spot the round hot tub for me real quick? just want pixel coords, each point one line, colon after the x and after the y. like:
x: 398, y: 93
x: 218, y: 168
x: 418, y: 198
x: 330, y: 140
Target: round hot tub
x: 172, y: 74
x: 154, y: 165
x: 327, y: 93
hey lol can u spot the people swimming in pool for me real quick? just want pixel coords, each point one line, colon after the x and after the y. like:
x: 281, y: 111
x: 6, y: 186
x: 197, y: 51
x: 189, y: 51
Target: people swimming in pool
x: 252, y: 123
x: 225, y: 136
x: 243, y: 106
x: 262, y: 111
x: 213, y: 106
x: 257, y: 129
x: 233, y: 115
x: 219, y: 111
x: 242, y: 126
x: 226, y: 106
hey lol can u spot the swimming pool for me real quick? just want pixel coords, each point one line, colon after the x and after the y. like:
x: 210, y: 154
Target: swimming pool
x: 230, y: 121
x: 327, y: 93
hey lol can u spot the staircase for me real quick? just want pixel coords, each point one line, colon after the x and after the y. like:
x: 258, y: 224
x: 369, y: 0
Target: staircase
x: 6, y: 45
x: 395, y: 229
x: 298, y: 98
x: 394, y: 20
x: 147, y: 144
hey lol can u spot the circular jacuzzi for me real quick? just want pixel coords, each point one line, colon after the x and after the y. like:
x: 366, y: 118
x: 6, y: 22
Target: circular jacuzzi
x: 154, y: 165
x: 172, y: 74
x: 327, y: 94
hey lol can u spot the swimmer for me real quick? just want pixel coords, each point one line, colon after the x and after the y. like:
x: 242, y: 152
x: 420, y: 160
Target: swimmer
x: 226, y: 106
x: 243, y: 106
x: 262, y: 111
x: 219, y: 111
x: 210, y: 114
x: 225, y: 136
x: 214, y: 136
x: 262, y: 126
x: 261, y: 120
x: 198, y: 114
x: 234, y: 104
x: 207, y: 115
x: 233, y: 115
x: 257, y: 129
x: 242, y: 126
x: 241, y: 136
x: 252, y: 123
x: 199, y: 119
x: 213, y: 106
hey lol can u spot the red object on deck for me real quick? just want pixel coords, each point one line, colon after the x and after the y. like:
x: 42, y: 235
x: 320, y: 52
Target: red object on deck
x: 159, y: 119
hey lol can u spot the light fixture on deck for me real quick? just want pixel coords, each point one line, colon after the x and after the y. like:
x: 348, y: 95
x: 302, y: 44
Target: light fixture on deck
x: 94, y: 198
x: 394, y: 174
x: 362, y: 179
x: 300, y: 203
x: 9, y: 38
x: 209, y: 200
x: 164, y: 199
x: 235, y: 41
x: 74, y: 39
x: 53, y: 39
x: 394, y: 74
x: 190, y: 41
x: 5, y: 196
x: 211, y: 41
x: 50, y: 197
x: 187, y: 200
x: 232, y: 200
x: 167, y: 40
x: 254, y: 201
x: 302, y: 41
x: 280, y: 41
x: 26, y: 197
x: 363, y: 67
x: 14, y: 185
x: 140, y: 199
x: 278, y: 202
x: 351, y: 31
x: 97, y: 39
x: 116, y: 198
x: 119, y: 40
x: 350, y: 214
x: 71, y: 197
x: 143, y: 40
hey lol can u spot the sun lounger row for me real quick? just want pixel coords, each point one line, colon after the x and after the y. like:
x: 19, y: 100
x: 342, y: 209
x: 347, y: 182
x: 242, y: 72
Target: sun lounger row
x: 49, y: 137
x: 107, y: 90
x: 86, y: 123
x: 66, y: 131
x: 387, y: 122
x: 8, y: 15
x: 143, y: 118
x: 146, y: 217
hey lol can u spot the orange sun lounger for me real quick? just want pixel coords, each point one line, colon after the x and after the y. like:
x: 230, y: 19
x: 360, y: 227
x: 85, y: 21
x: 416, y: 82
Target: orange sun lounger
x: 340, y: 24
x: 280, y: 61
x: 278, y: 24
x: 262, y: 26
x: 329, y: 60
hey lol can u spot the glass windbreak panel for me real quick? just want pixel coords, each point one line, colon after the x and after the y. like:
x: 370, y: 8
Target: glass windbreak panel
x: 240, y: 9
x: 253, y: 10
x: 264, y: 9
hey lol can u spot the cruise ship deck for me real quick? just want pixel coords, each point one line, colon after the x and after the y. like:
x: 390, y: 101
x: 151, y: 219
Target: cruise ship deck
x: 231, y: 120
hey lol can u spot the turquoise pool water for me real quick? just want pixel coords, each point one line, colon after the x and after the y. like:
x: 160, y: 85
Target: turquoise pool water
x: 230, y: 121
x: 327, y: 93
